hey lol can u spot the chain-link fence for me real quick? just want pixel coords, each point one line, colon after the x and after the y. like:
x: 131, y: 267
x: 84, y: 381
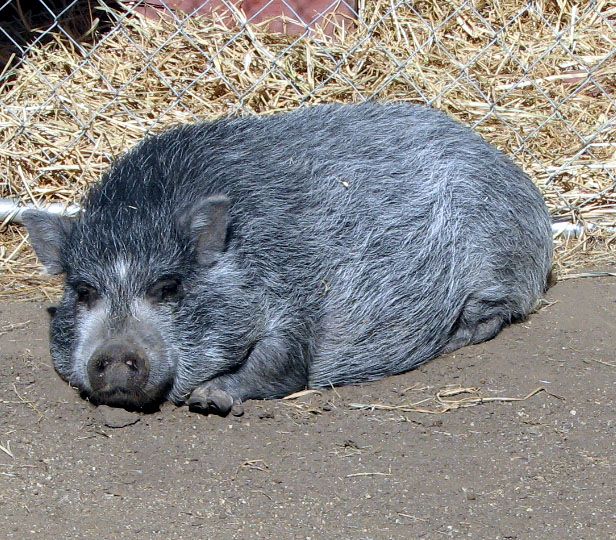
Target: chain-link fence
x: 81, y: 82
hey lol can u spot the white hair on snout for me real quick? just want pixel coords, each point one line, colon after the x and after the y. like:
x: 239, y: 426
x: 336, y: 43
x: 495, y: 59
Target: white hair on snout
x: 153, y: 331
x: 91, y: 330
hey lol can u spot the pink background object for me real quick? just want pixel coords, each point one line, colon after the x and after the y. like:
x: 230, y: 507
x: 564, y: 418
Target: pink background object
x: 284, y: 16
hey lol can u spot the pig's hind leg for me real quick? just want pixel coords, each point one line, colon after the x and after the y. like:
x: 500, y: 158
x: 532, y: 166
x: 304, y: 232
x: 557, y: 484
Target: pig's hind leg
x: 483, y: 331
x: 480, y: 320
x: 272, y: 369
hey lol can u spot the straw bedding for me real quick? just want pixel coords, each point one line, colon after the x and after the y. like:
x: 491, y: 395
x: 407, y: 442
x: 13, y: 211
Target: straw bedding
x: 539, y: 82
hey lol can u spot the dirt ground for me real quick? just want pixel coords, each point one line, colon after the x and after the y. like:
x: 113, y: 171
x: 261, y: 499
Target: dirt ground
x: 321, y: 466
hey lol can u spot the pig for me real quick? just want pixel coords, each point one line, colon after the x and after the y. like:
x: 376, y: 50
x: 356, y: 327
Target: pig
x: 250, y: 258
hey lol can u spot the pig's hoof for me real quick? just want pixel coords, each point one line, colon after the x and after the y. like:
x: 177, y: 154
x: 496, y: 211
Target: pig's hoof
x: 238, y: 408
x: 210, y: 401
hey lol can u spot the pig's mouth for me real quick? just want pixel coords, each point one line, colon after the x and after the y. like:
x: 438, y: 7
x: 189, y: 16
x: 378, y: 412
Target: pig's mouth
x: 133, y: 399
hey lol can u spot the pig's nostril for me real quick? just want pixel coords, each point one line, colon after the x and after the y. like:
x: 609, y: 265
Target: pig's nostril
x: 100, y: 365
x: 132, y: 363
x: 104, y: 363
x: 117, y: 367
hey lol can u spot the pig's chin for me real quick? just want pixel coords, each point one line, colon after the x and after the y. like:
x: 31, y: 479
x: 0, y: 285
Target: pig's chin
x: 133, y: 399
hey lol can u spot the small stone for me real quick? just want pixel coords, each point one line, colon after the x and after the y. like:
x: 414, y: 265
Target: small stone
x: 114, y: 417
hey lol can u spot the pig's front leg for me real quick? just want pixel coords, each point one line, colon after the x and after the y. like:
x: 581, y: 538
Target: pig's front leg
x: 272, y: 369
x: 209, y: 399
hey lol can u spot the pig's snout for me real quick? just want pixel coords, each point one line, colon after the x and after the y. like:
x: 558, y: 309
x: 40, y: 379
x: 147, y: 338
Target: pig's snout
x: 118, y: 373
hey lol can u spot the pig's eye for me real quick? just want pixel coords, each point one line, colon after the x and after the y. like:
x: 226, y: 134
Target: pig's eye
x: 165, y: 289
x: 86, y: 294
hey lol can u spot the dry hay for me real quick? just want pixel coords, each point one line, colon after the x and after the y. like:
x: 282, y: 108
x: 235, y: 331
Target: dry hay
x: 447, y: 399
x: 518, y: 75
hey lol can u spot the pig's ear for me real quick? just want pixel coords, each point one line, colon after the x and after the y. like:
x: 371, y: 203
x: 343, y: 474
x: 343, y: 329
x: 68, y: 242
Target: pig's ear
x: 48, y: 233
x: 208, y: 223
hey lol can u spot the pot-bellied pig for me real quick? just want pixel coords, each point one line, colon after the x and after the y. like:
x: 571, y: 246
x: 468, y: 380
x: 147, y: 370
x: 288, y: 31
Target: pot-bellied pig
x: 254, y: 257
